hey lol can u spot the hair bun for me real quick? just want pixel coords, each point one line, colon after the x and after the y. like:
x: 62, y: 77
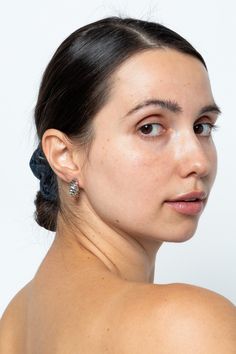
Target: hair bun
x: 46, y: 212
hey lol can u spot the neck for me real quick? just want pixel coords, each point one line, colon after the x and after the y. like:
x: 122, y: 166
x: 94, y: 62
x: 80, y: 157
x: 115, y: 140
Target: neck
x: 106, y: 248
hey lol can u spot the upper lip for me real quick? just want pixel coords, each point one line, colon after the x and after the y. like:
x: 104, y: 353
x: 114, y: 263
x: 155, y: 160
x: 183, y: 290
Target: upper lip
x: 194, y: 194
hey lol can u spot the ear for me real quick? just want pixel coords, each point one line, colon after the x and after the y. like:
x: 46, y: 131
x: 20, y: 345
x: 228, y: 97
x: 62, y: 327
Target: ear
x: 62, y: 156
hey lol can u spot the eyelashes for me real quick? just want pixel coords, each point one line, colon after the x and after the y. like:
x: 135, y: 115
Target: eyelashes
x: 213, y: 127
x: 146, y: 129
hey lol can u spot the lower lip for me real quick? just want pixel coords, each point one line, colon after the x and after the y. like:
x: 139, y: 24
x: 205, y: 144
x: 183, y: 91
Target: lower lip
x: 187, y: 208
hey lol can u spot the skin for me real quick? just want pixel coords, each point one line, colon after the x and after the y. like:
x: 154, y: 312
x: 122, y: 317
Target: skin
x: 121, y: 218
x: 103, y: 255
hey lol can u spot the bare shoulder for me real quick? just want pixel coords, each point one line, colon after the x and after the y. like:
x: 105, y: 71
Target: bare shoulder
x: 12, y: 323
x: 180, y: 318
x: 15, y: 305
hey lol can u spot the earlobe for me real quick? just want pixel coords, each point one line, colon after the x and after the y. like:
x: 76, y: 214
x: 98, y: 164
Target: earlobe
x: 59, y: 153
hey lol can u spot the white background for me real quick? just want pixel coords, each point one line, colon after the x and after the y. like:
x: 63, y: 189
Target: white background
x: 30, y: 33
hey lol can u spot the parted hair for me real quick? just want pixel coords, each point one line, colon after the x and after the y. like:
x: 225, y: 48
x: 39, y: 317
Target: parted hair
x: 77, y: 80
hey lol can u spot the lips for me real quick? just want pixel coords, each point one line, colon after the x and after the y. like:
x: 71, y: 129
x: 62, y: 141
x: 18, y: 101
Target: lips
x: 191, y: 196
x: 187, y: 208
x: 191, y: 203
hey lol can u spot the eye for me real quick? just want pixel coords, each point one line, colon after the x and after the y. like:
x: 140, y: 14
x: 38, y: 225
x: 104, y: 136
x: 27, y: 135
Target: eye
x: 150, y: 129
x: 199, y: 128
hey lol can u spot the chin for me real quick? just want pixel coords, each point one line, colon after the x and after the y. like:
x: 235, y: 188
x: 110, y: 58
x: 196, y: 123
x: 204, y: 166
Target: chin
x: 183, y: 238
x: 182, y: 235
x: 175, y: 232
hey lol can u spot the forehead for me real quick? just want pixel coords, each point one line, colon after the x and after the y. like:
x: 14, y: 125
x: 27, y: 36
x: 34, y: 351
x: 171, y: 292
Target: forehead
x: 163, y: 73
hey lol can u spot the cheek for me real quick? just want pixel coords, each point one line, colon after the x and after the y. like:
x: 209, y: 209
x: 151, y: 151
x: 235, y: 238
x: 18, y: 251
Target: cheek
x: 124, y: 178
x: 214, y: 161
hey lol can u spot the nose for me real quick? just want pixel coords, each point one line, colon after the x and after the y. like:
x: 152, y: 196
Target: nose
x: 192, y: 155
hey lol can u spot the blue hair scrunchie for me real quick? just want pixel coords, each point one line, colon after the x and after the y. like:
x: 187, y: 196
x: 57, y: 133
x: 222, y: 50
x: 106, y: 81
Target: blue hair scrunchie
x: 42, y: 170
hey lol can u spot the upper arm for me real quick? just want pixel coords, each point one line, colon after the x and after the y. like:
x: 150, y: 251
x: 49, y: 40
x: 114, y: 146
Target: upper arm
x: 191, y: 320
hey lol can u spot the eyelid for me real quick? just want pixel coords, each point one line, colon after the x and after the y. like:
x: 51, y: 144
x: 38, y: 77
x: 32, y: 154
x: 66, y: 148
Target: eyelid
x: 161, y: 119
x: 211, y: 116
x: 152, y: 118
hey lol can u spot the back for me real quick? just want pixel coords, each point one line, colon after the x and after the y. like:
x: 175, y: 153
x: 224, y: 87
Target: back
x: 140, y: 318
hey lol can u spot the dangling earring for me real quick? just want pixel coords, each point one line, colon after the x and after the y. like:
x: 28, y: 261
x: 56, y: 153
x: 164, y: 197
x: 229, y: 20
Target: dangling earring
x: 74, y: 188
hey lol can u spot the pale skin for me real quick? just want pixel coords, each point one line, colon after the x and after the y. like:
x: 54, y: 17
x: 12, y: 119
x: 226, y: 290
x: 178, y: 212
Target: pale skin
x: 104, y: 260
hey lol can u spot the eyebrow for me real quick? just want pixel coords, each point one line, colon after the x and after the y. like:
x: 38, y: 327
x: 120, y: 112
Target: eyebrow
x: 172, y: 106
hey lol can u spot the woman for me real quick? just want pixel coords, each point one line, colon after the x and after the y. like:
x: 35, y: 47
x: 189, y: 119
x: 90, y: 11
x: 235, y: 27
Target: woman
x: 126, y: 161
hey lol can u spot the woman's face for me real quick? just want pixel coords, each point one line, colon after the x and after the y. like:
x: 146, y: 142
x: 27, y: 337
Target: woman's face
x: 141, y: 159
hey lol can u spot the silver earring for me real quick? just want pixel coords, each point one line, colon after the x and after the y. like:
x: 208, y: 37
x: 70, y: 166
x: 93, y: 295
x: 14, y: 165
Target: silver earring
x: 74, y: 188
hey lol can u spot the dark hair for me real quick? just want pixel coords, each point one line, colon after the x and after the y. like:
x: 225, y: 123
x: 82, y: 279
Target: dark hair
x: 77, y: 81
